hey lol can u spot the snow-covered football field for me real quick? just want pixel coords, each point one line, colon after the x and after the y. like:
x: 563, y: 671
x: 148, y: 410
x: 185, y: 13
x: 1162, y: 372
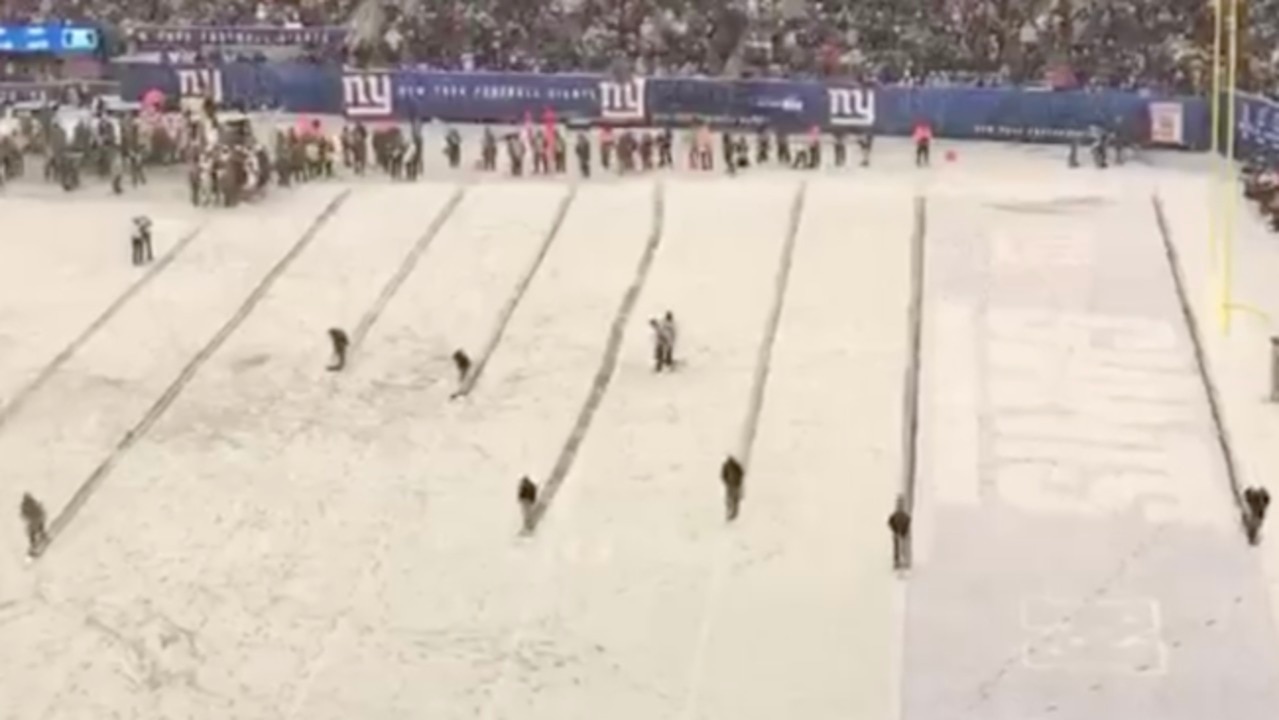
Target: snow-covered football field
x: 240, y: 534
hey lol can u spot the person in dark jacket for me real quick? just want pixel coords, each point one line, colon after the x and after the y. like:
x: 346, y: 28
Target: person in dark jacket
x: 453, y: 148
x: 33, y: 517
x: 1257, y: 500
x: 866, y: 144
x: 899, y: 524
x: 462, y: 362
x: 340, y: 344
x: 733, y: 475
x: 528, y: 501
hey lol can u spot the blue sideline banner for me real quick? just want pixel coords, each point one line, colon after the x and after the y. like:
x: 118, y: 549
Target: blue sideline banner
x: 159, y: 37
x: 1009, y: 114
x: 291, y: 87
x: 1006, y: 114
x: 496, y: 97
x: 788, y: 105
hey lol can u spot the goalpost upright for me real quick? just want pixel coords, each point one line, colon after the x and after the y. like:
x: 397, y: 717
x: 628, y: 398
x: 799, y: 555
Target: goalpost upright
x: 1224, y: 208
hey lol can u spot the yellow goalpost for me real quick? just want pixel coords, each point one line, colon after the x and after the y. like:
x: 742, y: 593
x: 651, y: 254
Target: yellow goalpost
x: 1224, y: 205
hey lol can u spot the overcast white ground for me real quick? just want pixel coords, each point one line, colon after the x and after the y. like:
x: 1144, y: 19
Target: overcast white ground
x: 284, y: 542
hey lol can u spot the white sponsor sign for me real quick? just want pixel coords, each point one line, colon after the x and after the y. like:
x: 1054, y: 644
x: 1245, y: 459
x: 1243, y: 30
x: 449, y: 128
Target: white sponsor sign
x: 1167, y: 123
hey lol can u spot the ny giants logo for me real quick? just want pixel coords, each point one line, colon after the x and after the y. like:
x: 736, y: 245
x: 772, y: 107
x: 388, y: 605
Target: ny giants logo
x: 851, y: 107
x: 623, y: 101
x: 367, y: 95
x: 199, y: 83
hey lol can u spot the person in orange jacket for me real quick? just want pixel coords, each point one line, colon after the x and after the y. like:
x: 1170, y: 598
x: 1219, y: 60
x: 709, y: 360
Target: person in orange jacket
x: 923, y: 136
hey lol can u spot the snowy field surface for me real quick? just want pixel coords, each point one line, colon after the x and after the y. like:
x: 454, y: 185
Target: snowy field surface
x: 240, y: 534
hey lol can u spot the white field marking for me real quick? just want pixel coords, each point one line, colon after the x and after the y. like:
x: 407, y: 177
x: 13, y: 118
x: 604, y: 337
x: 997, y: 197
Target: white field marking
x: 540, y: 574
x: 759, y: 388
x: 540, y: 579
x: 714, y: 589
x: 1062, y: 627
x: 338, y: 628
x: 897, y: 649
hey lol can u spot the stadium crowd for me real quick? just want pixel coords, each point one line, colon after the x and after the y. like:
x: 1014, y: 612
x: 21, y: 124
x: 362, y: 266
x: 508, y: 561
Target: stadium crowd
x: 1158, y: 44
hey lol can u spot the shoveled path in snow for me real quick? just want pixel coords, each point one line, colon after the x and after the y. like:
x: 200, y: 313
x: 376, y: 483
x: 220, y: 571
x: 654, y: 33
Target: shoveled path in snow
x: 217, y: 512
x: 433, y: 629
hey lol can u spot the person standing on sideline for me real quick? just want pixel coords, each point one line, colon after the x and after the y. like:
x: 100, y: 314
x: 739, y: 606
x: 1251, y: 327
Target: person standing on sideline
x: 923, y: 136
x: 814, y: 148
x: 899, y: 524
x: 583, y: 150
x: 528, y: 500
x: 866, y: 143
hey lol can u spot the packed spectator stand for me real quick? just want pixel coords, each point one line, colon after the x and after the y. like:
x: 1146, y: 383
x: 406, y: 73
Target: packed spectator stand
x: 1126, y: 43
x: 1163, y: 47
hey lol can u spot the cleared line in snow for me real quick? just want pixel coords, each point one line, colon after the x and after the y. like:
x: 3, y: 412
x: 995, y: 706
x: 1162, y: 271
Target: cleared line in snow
x: 914, y: 325
x: 714, y: 589
x: 764, y: 358
x: 91, y: 484
x: 406, y: 268
x: 20, y: 398
x: 1201, y: 357
x: 508, y: 310
x: 608, y: 365
x: 763, y: 365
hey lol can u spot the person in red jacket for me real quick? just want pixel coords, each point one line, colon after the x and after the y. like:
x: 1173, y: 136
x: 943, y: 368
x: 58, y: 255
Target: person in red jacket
x: 923, y: 136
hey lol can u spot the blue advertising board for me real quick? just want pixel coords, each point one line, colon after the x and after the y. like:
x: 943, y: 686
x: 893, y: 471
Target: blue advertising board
x: 502, y: 97
x: 53, y: 38
x: 781, y: 104
x: 1008, y: 114
x: 291, y: 87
